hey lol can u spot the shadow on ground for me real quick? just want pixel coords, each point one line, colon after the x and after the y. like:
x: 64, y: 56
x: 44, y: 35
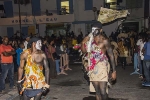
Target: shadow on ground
x: 70, y: 83
x: 93, y: 98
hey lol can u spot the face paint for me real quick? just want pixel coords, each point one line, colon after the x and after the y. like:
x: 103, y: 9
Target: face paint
x: 94, y: 28
x: 38, y: 45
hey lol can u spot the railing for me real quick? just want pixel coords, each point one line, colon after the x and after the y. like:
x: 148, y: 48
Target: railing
x: 41, y: 13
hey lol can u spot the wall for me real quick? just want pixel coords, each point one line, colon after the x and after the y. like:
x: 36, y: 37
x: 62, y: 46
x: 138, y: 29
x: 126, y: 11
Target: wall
x: 25, y: 9
x: 48, y: 4
x: 108, y: 29
x: 136, y: 13
x: 79, y: 28
x: 79, y: 15
x: 3, y: 29
x: 83, y: 15
x: 45, y: 4
x: 42, y: 29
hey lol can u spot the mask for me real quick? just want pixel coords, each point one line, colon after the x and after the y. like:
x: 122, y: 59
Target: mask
x: 38, y: 45
x: 94, y: 28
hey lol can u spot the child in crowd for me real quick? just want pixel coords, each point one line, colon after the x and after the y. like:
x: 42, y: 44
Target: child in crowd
x: 19, y: 51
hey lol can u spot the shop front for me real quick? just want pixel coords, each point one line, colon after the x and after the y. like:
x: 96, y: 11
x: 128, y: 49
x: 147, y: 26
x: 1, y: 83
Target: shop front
x: 52, y: 24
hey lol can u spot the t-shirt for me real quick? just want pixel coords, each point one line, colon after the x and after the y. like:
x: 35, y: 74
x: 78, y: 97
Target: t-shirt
x: 25, y: 44
x: 7, y: 48
x: 147, y: 49
x: 18, y: 51
x: 141, y: 44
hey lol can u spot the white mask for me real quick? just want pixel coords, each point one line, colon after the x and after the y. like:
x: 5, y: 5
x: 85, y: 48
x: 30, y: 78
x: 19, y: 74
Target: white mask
x: 94, y: 28
x: 38, y: 45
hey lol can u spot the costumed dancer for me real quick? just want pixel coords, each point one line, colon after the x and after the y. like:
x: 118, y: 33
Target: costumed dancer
x: 123, y: 50
x: 115, y: 51
x: 98, y: 66
x: 33, y: 83
x: 116, y: 54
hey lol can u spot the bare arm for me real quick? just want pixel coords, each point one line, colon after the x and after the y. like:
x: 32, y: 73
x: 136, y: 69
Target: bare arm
x: 50, y: 52
x: 10, y: 53
x: 110, y: 54
x: 46, y: 67
x: 21, y: 68
x: 83, y: 49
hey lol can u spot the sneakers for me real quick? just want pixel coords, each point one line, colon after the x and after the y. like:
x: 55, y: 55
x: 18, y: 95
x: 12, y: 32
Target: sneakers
x: 147, y: 84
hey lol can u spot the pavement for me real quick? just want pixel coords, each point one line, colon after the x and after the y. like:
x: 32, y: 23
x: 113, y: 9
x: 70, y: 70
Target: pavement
x: 74, y: 87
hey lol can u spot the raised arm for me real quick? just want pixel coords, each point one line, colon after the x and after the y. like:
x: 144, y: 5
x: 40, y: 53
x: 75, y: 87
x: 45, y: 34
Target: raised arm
x: 46, y: 67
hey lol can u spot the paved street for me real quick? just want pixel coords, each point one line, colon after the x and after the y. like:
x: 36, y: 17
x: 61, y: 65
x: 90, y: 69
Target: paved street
x: 74, y: 87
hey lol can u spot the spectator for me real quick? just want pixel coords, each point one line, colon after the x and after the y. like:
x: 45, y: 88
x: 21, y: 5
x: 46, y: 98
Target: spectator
x: 6, y: 52
x: 19, y: 51
x: 146, y: 62
x: 51, y: 52
x: 26, y: 42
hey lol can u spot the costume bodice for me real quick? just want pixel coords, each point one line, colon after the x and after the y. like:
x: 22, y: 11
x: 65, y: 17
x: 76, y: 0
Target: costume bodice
x: 97, y: 56
x: 34, y: 77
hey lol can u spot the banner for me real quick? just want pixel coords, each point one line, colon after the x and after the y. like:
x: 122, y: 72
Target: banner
x: 108, y: 15
x: 26, y: 20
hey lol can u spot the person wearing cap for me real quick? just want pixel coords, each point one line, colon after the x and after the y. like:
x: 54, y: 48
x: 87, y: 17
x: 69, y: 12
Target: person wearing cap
x: 32, y: 62
x: 99, y: 65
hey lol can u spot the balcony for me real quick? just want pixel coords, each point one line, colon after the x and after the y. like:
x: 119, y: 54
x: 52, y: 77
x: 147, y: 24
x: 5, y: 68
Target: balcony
x: 45, y: 17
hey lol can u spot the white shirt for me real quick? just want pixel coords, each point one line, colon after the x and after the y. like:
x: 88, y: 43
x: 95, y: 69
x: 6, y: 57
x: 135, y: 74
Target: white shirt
x: 141, y: 44
x: 25, y: 44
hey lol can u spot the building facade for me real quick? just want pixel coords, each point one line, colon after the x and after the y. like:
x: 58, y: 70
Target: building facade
x: 53, y: 16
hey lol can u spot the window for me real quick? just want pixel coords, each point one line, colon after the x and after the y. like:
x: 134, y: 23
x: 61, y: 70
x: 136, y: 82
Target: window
x: 36, y: 7
x: 65, y: 7
x: 110, y: 1
x: 8, y: 8
x: 88, y: 4
x: 22, y: 2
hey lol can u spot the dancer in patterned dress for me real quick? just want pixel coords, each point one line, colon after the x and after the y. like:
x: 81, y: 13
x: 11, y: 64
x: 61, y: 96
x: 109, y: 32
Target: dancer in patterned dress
x: 98, y: 71
x: 31, y: 63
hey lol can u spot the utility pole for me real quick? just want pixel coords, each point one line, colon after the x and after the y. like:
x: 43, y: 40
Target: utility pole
x: 19, y: 17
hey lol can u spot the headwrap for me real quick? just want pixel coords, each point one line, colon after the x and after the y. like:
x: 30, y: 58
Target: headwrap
x: 97, y: 24
x: 34, y: 39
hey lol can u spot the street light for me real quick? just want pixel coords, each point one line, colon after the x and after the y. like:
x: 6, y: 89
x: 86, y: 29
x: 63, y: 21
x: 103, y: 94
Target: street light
x: 19, y: 16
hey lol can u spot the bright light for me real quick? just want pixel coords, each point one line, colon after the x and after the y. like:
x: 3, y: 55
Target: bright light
x: 65, y: 4
x: 109, y: 1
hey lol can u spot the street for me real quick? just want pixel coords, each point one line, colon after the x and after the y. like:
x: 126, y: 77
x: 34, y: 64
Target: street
x: 75, y: 87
